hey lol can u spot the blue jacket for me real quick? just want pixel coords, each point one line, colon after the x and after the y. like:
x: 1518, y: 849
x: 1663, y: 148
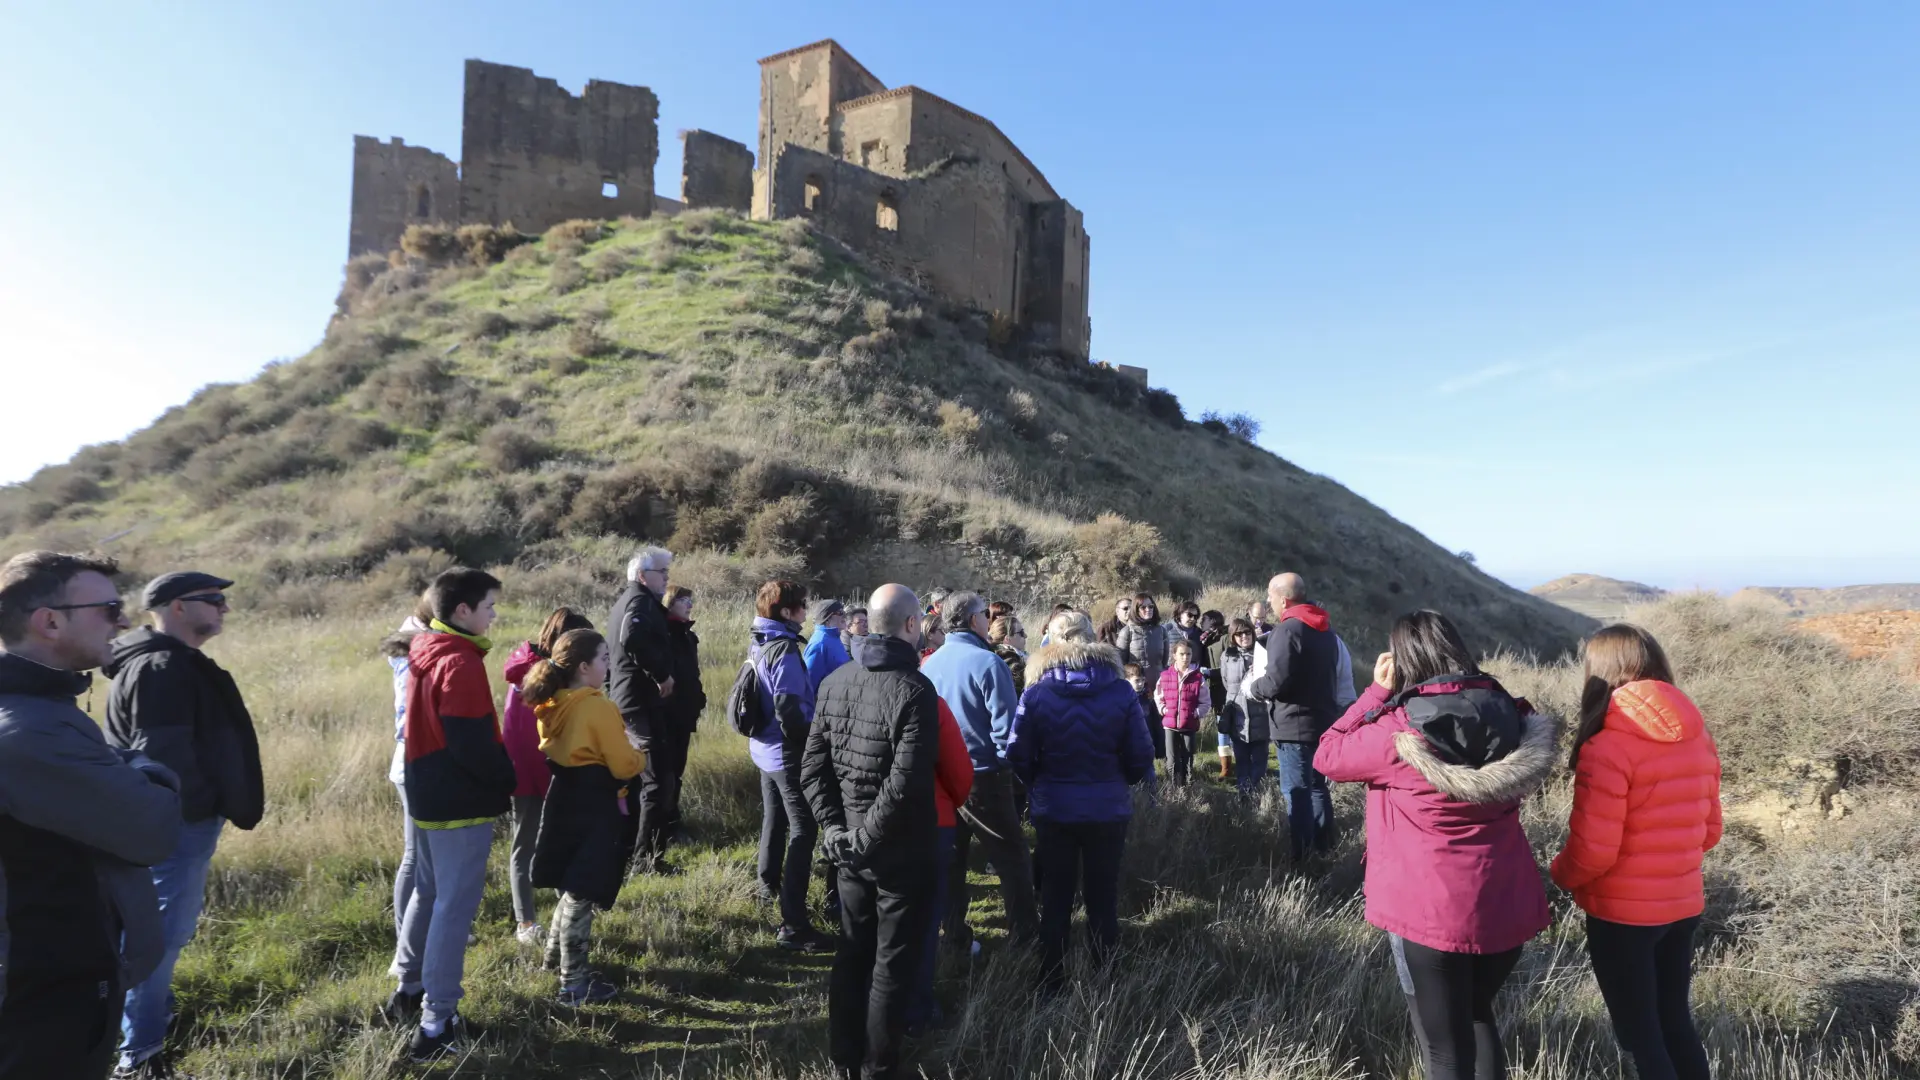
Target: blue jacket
x: 1080, y: 738
x: 825, y: 651
x: 976, y: 685
x: 785, y: 695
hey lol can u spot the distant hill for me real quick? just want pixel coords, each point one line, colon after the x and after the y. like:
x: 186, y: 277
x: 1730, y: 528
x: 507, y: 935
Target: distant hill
x: 750, y: 394
x: 1597, y: 597
x: 1841, y: 601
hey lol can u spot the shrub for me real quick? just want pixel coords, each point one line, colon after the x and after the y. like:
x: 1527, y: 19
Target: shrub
x: 789, y: 525
x: 577, y: 231
x: 618, y: 501
x: 586, y: 341
x: 565, y: 276
x: 1120, y: 555
x: 1162, y: 405
x: 696, y: 527
x: 877, y: 313
x: 414, y: 391
x: 1239, y: 425
x: 435, y: 245
x: 357, y: 280
x: 610, y: 263
x: 508, y: 448
x: 488, y: 244
x: 489, y: 324
x: 958, y: 423
x: 563, y: 364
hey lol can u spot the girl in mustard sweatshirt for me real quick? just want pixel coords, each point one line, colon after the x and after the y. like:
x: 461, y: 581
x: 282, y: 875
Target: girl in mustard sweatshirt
x: 578, y: 851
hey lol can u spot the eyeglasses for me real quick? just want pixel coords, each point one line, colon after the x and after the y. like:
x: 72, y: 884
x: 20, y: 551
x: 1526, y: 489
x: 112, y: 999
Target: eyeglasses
x: 113, y: 608
x: 218, y: 600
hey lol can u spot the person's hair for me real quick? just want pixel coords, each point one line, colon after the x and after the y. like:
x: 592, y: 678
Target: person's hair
x: 777, y: 596
x: 960, y: 608
x: 677, y: 594
x: 999, y: 609
x: 853, y: 611
x: 555, y: 673
x: 1238, y: 627
x: 1070, y: 625
x: 36, y: 579
x: 648, y: 558
x: 1134, y: 671
x: 1058, y: 608
x: 1002, y: 629
x: 1426, y: 645
x: 562, y: 620
x: 460, y: 585
x: 1615, y: 656
x: 1187, y: 608
x: 1212, y: 620
x: 1181, y: 646
x: 1127, y: 600
x: 936, y: 599
x: 1147, y: 599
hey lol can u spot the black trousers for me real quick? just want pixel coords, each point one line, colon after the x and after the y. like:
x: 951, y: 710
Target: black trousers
x: 787, y: 833
x: 67, y: 1028
x: 1181, y: 744
x: 1451, y: 998
x: 655, y: 800
x: 1084, y: 857
x: 990, y: 816
x: 883, y: 926
x: 1645, y: 975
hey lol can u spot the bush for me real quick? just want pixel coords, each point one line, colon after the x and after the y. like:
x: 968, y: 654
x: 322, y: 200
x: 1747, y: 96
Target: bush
x: 563, y: 364
x: 488, y: 244
x: 789, y: 525
x: 618, y: 501
x: 576, y: 232
x: 1120, y: 555
x: 435, y: 245
x: 507, y: 448
x: 489, y: 324
x: 1239, y: 425
x: 357, y: 279
x: 696, y: 527
x: 586, y: 341
x: 565, y: 276
x: 1162, y: 405
x: 414, y: 391
x: 958, y: 423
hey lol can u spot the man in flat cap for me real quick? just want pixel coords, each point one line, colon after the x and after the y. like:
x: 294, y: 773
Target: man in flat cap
x: 825, y: 649
x: 172, y: 702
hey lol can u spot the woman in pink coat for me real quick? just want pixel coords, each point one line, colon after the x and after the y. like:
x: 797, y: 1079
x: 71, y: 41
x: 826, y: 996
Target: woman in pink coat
x: 1446, y: 754
x: 521, y: 732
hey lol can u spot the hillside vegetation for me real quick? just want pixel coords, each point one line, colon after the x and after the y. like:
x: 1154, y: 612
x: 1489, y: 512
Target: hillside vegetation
x: 1597, y: 597
x: 748, y: 393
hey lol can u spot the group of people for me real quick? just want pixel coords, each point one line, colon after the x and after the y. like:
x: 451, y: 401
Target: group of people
x: 889, y: 739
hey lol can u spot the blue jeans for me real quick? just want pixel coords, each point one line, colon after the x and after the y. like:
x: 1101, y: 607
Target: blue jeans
x: 1309, y: 800
x: 181, y: 882
x: 1249, y: 764
x: 450, y: 873
x: 921, y: 1008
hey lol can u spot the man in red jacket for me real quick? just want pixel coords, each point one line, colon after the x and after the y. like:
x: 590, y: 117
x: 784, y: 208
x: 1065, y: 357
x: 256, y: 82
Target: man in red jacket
x: 458, y: 779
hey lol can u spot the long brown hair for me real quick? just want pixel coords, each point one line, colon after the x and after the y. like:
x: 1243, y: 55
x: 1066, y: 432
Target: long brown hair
x: 556, y: 673
x: 1426, y: 645
x: 1147, y: 600
x: 1616, y: 655
x: 562, y: 620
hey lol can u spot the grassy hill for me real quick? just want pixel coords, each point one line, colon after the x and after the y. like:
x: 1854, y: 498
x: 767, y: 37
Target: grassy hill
x: 1597, y: 597
x: 746, y: 393
x: 1845, y: 600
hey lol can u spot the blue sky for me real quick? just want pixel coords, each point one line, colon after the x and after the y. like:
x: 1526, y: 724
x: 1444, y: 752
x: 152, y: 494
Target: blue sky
x: 1631, y: 289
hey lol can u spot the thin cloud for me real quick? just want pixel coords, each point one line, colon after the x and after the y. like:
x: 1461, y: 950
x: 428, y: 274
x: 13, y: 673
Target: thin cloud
x: 1490, y: 373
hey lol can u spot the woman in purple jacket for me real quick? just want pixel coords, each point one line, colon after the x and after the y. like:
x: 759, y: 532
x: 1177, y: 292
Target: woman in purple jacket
x: 787, y: 829
x: 1079, y: 744
x: 1447, y: 755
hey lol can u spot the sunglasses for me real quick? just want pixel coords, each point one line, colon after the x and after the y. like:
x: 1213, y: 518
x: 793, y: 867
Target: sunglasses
x: 210, y: 599
x: 113, y: 608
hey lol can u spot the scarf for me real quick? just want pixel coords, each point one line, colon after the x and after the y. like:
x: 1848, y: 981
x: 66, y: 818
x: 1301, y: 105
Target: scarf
x: 485, y: 644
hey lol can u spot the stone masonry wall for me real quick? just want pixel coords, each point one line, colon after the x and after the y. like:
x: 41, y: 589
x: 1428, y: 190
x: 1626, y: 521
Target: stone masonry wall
x: 534, y: 154
x: 715, y: 171
x: 394, y: 186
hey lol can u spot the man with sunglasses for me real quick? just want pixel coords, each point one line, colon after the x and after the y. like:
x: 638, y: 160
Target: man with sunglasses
x: 80, y: 822
x: 172, y: 702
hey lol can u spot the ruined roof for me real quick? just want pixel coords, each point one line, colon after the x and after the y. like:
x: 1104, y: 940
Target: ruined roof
x: 903, y: 91
x: 825, y: 43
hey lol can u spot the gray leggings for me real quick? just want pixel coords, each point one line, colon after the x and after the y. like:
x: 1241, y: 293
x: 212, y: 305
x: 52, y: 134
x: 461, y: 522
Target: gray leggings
x: 526, y: 829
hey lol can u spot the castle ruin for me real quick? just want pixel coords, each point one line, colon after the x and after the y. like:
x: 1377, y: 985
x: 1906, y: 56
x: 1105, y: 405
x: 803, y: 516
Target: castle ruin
x: 913, y: 182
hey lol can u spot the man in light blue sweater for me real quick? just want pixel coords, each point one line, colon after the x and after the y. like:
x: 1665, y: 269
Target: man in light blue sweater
x: 978, y: 689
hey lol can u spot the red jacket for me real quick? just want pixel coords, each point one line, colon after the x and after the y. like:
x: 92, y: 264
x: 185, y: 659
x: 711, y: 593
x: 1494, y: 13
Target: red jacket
x: 1182, y: 699
x: 520, y: 730
x: 1448, y: 865
x: 953, y: 772
x: 457, y: 771
x: 1646, y: 809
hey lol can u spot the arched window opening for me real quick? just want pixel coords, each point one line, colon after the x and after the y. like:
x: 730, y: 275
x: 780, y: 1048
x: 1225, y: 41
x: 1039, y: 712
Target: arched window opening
x: 886, y: 212
x: 422, y: 201
x: 811, y: 197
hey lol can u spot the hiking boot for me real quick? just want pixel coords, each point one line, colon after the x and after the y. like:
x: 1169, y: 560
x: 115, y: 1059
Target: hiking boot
x: 766, y: 894
x: 403, y: 1007
x: 594, y: 991
x: 425, y: 1047
x: 804, y: 939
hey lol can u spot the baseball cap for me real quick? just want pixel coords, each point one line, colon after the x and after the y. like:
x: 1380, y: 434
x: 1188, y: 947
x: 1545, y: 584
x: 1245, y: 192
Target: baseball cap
x: 822, y: 610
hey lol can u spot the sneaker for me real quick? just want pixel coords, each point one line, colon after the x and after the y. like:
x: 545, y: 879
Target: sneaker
x: 425, y: 1047
x: 804, y: 939
x: 402, y: 1007
x: 592, y: 992
x: 532, y: 935
x: 157, y: 1067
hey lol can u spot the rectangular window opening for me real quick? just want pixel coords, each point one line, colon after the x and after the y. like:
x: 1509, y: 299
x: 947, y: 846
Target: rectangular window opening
x: 609, y: 190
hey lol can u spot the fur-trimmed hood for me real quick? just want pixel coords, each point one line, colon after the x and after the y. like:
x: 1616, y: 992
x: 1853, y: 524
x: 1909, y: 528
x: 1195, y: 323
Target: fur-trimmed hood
x: 1510, y: 778
x: 1078, y: 655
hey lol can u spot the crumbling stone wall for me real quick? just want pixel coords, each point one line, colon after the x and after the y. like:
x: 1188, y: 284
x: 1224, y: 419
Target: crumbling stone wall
x: 394, y: 186
x: 534, y: 154
x: 715, y: 171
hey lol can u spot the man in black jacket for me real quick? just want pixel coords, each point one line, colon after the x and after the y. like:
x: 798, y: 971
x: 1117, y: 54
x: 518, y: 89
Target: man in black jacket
x: 1302, y: 658
x: 171, y: 702
x: 80, y: 822
x: 868, y: 773
x: 641, y: 682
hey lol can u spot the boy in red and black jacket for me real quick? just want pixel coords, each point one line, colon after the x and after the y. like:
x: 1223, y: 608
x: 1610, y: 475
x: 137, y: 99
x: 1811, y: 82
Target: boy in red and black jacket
x: 458, y: 779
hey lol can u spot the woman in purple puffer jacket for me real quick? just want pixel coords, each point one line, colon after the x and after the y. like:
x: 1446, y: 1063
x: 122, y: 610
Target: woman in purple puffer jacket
x: 1447, y: 755
x: 1079, y: 744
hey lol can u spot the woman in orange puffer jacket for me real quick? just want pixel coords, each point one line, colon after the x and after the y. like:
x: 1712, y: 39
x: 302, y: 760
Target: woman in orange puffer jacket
x: 1646, y: 808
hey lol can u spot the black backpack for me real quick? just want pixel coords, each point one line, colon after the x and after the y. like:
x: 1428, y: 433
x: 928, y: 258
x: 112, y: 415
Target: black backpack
x: 743, y: 700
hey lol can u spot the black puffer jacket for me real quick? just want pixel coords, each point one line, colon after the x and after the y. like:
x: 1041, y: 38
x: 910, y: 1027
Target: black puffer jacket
x: 171, y: 702
x: 642, y: 659
x: 868, y: 771
x: 689, y: 698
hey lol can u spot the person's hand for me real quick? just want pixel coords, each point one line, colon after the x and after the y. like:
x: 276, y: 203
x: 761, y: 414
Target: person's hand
x: 666, y: 688
x: 1383, y: 670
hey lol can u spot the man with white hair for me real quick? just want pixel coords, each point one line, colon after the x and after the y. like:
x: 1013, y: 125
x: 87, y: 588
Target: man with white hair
x: 641, y: 681
x: 1303, y: 659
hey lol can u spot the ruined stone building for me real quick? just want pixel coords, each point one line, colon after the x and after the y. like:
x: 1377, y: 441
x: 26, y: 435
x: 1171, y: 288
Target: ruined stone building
x: 912, y: 181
